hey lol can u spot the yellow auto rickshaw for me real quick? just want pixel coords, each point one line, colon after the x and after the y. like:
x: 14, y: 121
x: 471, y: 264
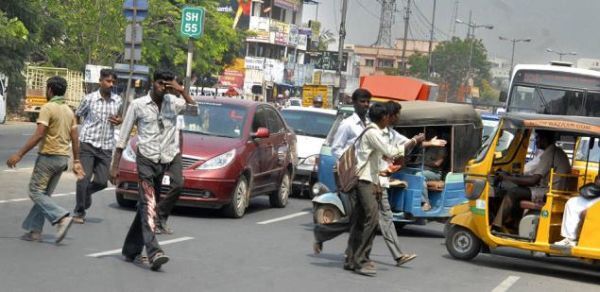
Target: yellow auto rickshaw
x: 469, y: 231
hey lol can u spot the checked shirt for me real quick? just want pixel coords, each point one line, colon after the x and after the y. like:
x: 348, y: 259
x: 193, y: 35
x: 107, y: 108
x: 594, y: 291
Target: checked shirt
x: 95, y: 112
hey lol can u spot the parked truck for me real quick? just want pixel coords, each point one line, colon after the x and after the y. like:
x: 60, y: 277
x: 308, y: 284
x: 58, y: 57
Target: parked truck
x: 309, y: 92
x: 35, y: 95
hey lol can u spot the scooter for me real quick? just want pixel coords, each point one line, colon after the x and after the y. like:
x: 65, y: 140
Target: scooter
x: 330, y: 207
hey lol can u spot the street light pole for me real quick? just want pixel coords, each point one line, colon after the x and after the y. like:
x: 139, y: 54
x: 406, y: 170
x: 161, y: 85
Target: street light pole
x: 514, y: 42
x: 341, y: 49
x: 560, y: 53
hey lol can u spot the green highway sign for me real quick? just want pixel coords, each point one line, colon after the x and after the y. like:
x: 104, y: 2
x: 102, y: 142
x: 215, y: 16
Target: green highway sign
x: 192, y: 22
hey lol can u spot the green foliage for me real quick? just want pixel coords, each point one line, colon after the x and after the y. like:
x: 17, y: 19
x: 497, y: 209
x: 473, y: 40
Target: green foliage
x: 488, y: 93
x: 451, y: 61
x: 418, y: 64
x: 73, y: 33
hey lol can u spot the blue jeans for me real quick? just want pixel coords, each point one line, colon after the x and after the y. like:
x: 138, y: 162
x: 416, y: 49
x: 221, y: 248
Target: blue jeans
x: 429, y: 176
x: 45, y: 177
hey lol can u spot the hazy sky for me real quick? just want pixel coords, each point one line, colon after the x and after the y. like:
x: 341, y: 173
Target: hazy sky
x: 563, y: 25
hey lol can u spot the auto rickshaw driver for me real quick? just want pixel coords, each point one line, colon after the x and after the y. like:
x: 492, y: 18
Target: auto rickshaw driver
x: 530, y: 187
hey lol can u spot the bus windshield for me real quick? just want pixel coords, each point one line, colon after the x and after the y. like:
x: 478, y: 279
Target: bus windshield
x: 555, y: 93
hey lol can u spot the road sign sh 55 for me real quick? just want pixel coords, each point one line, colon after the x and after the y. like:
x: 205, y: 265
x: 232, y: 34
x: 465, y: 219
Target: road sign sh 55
x: 192, y: 22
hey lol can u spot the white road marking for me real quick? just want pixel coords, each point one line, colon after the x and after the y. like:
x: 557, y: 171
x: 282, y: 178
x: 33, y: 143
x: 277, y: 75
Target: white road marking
x: 18, y: 169
x: 506, y: 284
x: 284, y: 217
x: 53, y: 196
x: 117, y: 251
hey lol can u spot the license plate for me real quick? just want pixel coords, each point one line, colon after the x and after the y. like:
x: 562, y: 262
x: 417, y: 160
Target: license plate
x: 166, y: 180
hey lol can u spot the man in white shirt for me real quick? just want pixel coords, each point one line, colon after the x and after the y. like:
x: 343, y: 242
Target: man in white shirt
x: 534, y: 186
x: 373, y: 146
x: 353, y: 125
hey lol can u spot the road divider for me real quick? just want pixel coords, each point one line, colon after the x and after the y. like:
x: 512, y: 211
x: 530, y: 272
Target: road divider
x: 284, y: 217
x: 506, y: 284
x: 118, y: 251
x: 53, y: 196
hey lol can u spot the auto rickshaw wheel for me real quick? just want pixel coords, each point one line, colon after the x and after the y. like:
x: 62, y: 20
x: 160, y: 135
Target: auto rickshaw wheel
x: 461, y: 243
x: 326, y: 214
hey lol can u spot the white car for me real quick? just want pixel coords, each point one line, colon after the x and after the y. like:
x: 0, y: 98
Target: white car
x: 311, y: 126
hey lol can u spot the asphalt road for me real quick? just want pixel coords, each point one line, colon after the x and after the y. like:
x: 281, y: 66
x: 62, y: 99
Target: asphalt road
x: 267, y: 250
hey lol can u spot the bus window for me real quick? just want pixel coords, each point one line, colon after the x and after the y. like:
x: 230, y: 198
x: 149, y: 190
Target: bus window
x: 592, y: 105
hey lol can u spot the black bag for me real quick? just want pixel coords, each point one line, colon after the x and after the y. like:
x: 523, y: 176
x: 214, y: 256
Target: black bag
x: 590, y: 191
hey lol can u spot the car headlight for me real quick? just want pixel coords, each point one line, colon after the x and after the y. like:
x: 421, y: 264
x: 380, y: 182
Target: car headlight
x: 129, y: 154
x: 310, y: 161
x: 218, y: 161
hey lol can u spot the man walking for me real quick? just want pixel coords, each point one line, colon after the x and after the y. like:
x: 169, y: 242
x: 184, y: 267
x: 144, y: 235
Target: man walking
x: 56, y: 128
x: 99, y: 113
x: 373, y: 146
x: 155, y: 116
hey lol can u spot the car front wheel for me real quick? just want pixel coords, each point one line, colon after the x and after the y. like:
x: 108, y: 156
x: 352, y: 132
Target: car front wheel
x: 237, y: 207
x: 125, y: 203
x: 279, y: 199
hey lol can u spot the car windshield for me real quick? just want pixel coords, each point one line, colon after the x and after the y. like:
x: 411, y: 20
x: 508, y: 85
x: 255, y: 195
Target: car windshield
x: 309, y: 123
x: 216, y: 119
x: 583, y: 147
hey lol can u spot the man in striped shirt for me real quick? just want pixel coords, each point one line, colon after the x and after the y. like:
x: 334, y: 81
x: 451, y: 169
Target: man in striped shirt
x: 155, y: 116
x: 99, y: 113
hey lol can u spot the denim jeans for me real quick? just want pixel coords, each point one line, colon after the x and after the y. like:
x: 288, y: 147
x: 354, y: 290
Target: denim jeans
x: 429, y: 176
x: 45, y: 177
x: 96, y: 162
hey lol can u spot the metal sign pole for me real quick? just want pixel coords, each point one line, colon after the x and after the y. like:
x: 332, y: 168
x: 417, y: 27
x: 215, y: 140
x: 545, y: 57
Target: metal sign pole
x: 131, y: 58
x: 188, y: 71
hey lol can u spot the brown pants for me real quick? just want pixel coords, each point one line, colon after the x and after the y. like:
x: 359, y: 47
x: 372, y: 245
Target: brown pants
x: 510, y: 213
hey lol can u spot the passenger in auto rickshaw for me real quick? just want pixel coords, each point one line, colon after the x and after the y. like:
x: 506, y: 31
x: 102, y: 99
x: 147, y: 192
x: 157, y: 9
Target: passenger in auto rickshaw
x: 530, y: 187
x: 574, y: 214
x: 432, y: 170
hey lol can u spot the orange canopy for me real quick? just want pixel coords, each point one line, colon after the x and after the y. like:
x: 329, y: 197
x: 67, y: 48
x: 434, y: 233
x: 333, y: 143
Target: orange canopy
x: 396, y: 87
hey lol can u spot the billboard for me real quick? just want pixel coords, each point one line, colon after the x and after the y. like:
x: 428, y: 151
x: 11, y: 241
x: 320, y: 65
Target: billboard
x: 327, y: 60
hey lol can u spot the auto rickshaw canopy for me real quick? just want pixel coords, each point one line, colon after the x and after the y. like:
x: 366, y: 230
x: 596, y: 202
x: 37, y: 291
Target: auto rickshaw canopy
x: 586, y: 126
x: 461, y: 119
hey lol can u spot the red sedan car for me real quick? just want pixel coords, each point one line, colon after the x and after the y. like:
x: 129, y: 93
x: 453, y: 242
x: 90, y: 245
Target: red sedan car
x: 232, y: 150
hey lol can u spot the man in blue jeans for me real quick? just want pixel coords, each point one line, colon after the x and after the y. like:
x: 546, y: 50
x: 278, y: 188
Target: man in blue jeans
x: 56, y: 129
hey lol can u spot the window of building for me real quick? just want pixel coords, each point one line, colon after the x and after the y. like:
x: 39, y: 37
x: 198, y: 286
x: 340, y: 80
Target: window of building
x: 369, y: 62
x: 385, y: 63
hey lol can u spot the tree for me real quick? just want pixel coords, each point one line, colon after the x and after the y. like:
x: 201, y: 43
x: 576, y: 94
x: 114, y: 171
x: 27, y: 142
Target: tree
x: 454, y: 59
x: 326, y: 37
x: 418, y: 64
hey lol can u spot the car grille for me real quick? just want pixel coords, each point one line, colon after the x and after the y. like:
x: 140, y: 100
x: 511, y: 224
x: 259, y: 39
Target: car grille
x: 133, y: 186
x: 188, y: 161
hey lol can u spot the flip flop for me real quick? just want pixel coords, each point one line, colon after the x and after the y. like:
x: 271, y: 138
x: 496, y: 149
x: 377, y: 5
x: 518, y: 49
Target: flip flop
x: 405, y: 259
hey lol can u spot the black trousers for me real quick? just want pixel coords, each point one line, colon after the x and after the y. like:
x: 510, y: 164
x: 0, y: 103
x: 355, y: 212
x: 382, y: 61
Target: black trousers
x: 364, y: 225
x: 166, y: 204
x: 95, y: 162
x: 510, y: 213
x: 142, y: 230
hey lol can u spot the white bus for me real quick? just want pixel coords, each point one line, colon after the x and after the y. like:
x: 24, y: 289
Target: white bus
x: 554, y: 90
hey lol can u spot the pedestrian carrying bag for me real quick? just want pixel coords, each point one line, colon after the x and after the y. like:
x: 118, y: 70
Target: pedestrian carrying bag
x: 345, y: 170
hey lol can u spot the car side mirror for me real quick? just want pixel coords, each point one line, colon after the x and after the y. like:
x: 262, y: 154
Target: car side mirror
x: 503, y: 96
x: 262, y: 132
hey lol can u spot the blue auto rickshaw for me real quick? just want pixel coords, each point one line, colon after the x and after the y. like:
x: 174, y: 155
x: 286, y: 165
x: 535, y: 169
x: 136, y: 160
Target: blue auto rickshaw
x: 458, y: 124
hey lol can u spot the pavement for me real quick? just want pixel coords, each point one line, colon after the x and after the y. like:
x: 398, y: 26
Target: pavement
x: 266, y: 250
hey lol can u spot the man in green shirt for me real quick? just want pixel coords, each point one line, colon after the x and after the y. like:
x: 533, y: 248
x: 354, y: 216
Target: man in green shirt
x: 56, y: 129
